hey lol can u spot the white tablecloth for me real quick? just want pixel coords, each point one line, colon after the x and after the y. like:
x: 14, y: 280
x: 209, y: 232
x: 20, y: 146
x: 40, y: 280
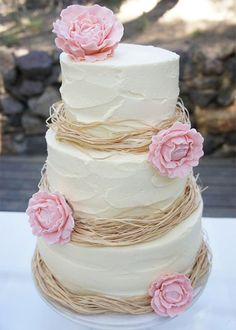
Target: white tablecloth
x: 21, y: 308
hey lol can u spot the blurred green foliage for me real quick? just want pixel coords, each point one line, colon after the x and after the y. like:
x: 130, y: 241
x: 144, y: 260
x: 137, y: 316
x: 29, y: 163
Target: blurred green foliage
x: 142, y: 23
x: 22, y: 22
x: 10, y: 39
x: 35, y: 24
x: 196, y: 33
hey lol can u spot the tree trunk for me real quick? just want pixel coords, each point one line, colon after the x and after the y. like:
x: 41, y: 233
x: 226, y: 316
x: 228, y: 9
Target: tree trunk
x: 137, y: 25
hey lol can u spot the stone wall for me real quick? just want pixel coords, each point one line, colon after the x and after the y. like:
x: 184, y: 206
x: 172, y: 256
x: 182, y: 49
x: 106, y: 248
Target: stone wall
x: 29, y: 85
x: 208, y: 88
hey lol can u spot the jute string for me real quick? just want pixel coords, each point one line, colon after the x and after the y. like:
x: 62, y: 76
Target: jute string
x: 132, y: 230
x: 124, y: 135
x: 89, y: 303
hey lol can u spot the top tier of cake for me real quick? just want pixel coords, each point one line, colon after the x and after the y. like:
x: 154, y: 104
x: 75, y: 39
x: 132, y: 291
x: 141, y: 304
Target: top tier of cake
x: 138, y: 82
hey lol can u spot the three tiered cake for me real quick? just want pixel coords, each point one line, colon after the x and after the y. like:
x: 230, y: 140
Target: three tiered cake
x: 118, y: 212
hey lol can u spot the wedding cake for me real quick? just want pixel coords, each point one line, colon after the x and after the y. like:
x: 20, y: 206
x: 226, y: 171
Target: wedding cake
x: 118, y: 211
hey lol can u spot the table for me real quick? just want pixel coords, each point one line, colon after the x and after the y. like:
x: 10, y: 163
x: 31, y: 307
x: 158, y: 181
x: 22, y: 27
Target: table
x: 21, y: 308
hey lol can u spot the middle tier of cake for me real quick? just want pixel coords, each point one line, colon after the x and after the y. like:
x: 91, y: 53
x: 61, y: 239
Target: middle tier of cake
x: 101, y: 184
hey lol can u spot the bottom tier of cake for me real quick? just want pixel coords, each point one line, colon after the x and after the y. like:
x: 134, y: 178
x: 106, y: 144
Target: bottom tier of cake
x: 111, y: 320
x: 124, y: 271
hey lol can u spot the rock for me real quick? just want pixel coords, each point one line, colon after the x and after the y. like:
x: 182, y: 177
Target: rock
x: 197, y: 57
x: 13, y: 121
x: 212, y: 143
x: 226, y: 151
x: 36, y: 65
x: 187, y: 102
x: 212, y: 67
x: 10, y: 106
x: 225, y: 97
x: 39, y: 4
x: 33, y: 125
x: 2, y: 86
x: 203, y: 98
x: 28, y: 88
x: 36, y: 145
x: 187, y: 69
x: 7, y: 60
x: 196, y: 53
x: 220, y: 50
x: 226, y: 51
x: 7, y: 66
x: 206, y: 83
x: 10, y: 77
x: 231, y: 68
x: 192, y: 119
x: 25, y: 89
x: 14, y: 144
x: 231, y: 138
x: 56, y: 55
x: 40, y: 105
x: 18, y: 143
x: 215, y: 121
x: 6, y: 144
x: 55, y: 76
x: 183, y: 87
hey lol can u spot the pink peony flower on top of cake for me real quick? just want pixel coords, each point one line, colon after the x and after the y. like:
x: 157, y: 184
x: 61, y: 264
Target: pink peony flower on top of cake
x: 171, y: 294
x: 174, y: 151
x: 50, y: 217
x: 87, y: 33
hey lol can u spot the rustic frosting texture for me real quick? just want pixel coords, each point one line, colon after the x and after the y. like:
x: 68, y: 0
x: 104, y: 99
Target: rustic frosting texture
x: 108, y: 184
x: 139, y: 82
x: 128, y: 270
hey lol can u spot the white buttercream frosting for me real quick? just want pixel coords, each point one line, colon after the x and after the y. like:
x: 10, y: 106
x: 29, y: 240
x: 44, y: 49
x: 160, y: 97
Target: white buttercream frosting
x: 129, y: 270
x: 106, y: 184
x: 138, y: 82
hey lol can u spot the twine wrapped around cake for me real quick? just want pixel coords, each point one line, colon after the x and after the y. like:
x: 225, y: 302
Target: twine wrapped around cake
x: 90, y: 303
x: 133, y: 230
x: 124, y: 135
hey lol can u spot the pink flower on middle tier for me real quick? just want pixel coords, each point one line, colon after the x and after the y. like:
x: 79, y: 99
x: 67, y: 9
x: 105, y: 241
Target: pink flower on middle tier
x: 174, y: 151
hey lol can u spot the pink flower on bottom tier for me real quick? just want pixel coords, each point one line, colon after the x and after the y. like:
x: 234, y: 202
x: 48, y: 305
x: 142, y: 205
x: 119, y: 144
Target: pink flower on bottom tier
x: 88, y: 33
x: 174, y: 151
x: 171, y: 294
x: 50, y: 217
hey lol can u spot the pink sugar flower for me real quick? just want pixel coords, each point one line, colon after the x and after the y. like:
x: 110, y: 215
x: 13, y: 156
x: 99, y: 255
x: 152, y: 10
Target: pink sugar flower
x: 174, y: 151
x: 171, y: 294
x: 88, y: 33
x: 50, y: 217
